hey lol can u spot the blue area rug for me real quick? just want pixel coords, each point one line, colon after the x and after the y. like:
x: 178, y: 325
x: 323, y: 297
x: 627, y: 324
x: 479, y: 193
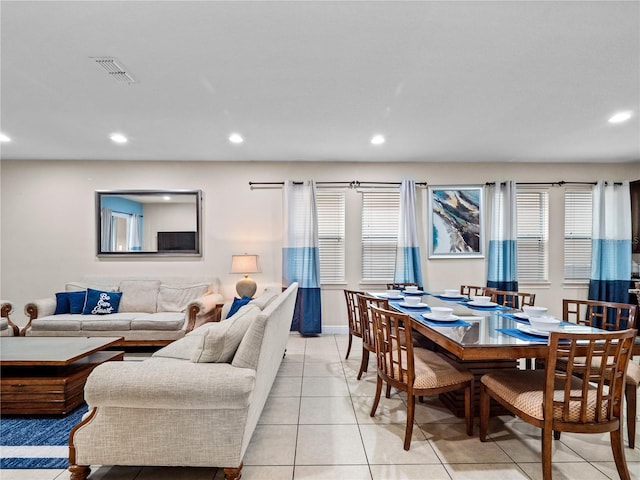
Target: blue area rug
x: 39, y: 441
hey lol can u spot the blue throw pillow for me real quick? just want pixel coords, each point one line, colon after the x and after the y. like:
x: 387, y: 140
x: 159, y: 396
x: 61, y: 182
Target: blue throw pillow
x: 237, y: 303
x: 101, y: 303
x: 76, y: 301
x: 62, y: 303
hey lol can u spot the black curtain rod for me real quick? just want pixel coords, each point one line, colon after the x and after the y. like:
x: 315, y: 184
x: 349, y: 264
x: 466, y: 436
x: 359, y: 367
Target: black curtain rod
x: 126, y: 213
x: 353, y: 183
x: 560, y: 183
x: 298, y: 183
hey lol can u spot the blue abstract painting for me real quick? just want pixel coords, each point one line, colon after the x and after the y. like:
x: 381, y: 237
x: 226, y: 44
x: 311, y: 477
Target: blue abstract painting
x: 456, y: 221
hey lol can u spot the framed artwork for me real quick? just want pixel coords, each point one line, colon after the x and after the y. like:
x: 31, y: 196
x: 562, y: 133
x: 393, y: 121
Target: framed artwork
x: 456, y: 216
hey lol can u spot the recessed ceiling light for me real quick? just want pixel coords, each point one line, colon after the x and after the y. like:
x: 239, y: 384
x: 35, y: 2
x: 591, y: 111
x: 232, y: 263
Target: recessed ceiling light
x: 4, y: 138
x: 620, y: 117
x: 118, y: 138
x: 236, y: 138
x: 377, y: 140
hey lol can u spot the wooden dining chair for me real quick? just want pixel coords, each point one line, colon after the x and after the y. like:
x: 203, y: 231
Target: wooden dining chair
x: 365, y: 302
x: 558, y: 400
x: 401, y: 286
x: 414, y: 370
x: 472, y: 290
x: 353, y: 317
x: 610, y: 316
x: 511, y: 299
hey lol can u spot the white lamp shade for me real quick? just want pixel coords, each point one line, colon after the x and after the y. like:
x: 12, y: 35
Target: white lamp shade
x: 244, y: 264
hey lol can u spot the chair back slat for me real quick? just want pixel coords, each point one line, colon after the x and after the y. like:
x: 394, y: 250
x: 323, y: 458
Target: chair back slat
x: 605, y: 315
x: 511, y: 299
x: 599, y: 358
x: 472, y: 290
x: 353, y: 311
x: 365, y: 303
x: 394, y: 349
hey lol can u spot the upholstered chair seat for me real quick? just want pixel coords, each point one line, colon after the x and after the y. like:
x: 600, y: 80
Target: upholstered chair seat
x: 522, y: 392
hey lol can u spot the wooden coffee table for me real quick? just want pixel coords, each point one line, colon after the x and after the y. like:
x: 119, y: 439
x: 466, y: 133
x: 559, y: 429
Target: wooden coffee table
x: 46, y: 375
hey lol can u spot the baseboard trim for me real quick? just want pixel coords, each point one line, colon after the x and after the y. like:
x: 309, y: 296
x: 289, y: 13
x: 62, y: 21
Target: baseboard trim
x: 335, y: 329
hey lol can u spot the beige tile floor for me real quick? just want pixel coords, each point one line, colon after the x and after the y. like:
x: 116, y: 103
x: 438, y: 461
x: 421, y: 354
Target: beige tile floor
x: 316, y: 426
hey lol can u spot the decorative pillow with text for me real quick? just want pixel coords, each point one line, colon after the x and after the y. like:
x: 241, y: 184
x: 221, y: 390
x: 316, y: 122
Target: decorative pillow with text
x: 99, y: 302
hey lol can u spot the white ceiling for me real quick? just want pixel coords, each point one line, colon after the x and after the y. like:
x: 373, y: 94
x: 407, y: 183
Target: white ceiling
x: 313, y: 81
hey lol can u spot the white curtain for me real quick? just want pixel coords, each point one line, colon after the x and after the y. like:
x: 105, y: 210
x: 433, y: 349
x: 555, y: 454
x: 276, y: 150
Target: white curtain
x: 134, y: 234
x: 503, y: 253
x: 408, y: 268
x: 107, y: 242
x: 611, y: 243
x: 300, y: 254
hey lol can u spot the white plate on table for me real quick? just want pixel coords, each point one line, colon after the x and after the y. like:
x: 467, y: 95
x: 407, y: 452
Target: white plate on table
x: 399, y: 297
x: 450, y: 318
x: 473, y: 303
x: 532, y: 331
x: 521, y: 315
x: 417, y: 292
x: 419, y: 305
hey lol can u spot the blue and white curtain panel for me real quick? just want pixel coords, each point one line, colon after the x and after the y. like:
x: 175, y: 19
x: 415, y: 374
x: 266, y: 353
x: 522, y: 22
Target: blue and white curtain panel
x: 300, y: 255
x: 408, y: 268
x: 503, y: 254
x: 611, y: 243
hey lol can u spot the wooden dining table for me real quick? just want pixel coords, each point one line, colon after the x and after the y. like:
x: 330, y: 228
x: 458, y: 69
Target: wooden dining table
x: 480, y: 338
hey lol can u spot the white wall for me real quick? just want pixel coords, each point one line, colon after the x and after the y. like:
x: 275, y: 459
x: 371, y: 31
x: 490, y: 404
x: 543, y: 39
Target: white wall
x: 162, y: 217
x: 47, y: 221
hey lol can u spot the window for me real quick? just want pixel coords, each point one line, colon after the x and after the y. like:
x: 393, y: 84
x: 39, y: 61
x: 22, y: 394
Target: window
x: 578, y: 216
x: 380, y: 213
x: 533, y: 235
x: 330, y: 206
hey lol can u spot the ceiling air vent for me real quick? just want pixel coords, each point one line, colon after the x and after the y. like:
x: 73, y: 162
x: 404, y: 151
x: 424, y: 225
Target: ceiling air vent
x: 115, y: 69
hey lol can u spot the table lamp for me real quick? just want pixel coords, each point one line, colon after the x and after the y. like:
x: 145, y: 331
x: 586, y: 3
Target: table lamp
x: 246, y: 264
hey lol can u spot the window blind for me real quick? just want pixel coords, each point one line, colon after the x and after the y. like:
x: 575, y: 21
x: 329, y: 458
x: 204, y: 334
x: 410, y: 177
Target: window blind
x: 380, y: 217
x: 578, y: 215
x: 533, y: 235
x: 330, y: 206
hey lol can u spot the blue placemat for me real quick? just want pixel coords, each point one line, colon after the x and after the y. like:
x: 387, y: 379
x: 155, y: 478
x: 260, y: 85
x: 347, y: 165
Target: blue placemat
x: 426, y: 321
x: 487, y: 309
x: 514, y: 332
x: 450, y: 299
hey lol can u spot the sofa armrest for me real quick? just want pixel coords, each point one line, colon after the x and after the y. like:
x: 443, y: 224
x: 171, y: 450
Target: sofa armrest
x: 169, y: 383
x: 205, y: 309
x: 38, y: 308
x: 5, y: 309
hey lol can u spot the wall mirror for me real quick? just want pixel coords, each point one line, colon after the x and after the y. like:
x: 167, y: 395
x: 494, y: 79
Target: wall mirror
x: 148, y: 222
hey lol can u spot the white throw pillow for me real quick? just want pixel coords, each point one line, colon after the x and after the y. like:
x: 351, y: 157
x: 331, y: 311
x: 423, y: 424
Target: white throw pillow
x: 220, y: 340
x: 264, y: 299
x: 139, y: 295
x: 79, y: 286
x: 176, y: 298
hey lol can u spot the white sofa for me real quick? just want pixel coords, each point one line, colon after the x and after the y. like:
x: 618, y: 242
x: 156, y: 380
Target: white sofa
x: 195, y: 402
x: 151, y: 311
x: 7, y: 327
